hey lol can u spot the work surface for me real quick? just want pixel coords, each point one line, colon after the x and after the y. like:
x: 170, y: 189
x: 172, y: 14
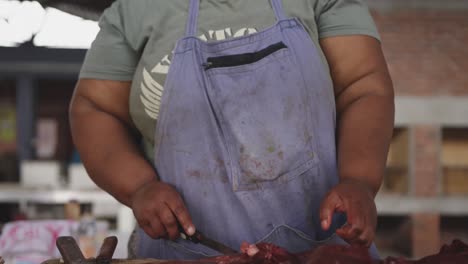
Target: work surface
x: 265, y: 253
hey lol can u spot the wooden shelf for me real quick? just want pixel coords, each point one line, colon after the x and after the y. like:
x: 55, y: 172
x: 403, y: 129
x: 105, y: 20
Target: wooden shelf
x: 16, y: 193
x: 403, y: 205
x: 386, y: 204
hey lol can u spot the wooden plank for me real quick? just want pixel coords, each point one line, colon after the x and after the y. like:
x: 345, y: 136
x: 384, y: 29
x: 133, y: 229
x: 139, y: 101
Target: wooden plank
x: 455, y: 161
x: 455, y: 152
x: 447, y: 111
x: 399, y: 205
x: 396, y: 174
x: 395, y: 181
x: 455, y: 181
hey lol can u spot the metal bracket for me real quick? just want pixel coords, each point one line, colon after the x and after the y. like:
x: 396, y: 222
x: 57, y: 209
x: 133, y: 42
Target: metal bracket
x: 107, y: 250
x: 71, y: 253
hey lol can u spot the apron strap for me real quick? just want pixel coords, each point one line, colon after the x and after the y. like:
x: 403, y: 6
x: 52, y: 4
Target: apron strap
x: 191, y: 27
x: 279, y: 11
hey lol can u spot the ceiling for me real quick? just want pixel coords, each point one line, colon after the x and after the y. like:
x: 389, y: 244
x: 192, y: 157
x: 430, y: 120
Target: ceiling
x: 28, y: 22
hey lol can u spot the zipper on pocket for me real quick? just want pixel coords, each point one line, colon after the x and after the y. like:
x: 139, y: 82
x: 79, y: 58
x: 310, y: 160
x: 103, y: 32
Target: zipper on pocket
x: 242, y: 59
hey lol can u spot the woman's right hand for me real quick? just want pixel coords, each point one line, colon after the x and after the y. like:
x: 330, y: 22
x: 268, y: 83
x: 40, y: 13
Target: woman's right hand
x: 106, y: 138
x: 159, y: 208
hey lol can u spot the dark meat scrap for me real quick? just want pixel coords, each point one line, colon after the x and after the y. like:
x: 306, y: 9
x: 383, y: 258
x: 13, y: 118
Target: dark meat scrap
x: 338, y: 254
x: 457, y: 252
x: 456, y: 248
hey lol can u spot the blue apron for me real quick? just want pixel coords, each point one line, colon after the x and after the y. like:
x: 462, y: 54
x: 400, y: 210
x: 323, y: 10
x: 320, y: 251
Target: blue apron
x: 246, y: 134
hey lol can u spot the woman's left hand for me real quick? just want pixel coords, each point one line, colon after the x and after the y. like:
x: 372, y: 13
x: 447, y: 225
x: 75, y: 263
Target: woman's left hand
x: 356, y: 200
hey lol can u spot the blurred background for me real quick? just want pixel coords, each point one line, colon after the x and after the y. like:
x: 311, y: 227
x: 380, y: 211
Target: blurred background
x: 422, y: 204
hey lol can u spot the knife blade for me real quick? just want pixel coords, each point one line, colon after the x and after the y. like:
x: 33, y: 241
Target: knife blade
x: 200, y: 238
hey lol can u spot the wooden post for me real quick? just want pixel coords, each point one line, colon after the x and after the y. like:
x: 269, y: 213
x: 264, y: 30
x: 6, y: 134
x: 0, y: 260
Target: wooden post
x: 26, y: 106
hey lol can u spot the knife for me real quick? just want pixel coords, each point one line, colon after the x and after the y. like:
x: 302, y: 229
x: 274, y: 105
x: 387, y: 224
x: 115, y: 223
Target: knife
x: 200, y: 238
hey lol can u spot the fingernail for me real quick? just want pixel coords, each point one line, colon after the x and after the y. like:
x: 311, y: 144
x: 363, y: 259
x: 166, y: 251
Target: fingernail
x: 324, y: 224
x: 191, y: 231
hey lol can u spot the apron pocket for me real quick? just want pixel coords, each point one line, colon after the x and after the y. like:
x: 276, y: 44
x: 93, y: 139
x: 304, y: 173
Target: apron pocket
x: 264, y: 113
x: 242, y: 59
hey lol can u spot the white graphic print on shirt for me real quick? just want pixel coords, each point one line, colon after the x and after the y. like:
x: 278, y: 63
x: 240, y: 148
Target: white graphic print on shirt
x: 152, y: 86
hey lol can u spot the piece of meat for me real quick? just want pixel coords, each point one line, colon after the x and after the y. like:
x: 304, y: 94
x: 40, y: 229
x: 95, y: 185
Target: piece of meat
x: 264, y: 253
x: 338, y: 254
x: 249, y: 249
x: 272, y: 254
x: 457, y: 252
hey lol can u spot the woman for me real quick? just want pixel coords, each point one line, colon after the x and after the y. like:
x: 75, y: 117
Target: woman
x: 264, y: 123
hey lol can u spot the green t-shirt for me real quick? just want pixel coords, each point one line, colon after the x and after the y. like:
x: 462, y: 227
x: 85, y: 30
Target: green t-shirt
x: 136, y: 38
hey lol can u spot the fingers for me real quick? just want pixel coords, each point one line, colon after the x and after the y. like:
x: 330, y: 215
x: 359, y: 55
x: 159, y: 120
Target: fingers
x: 159, y: 210
x: 149, y: 230
x: 152, y: 226
x: 182, y: 216
x: 358, y: 230
x: 353, y: 199
x: 354, y: 228
x: 169, y: 221
x: 158, y: 228
x: 369, y: 236
x: 161, y: 224
x: 175, y: 214
x: 364, y: 240
x: 351, y: 233
x: 327, y: 209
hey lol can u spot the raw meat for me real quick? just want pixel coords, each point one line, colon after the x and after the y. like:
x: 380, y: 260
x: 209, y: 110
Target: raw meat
x: 456, y: 253
x: 337, y: 254
x: 264, y: 253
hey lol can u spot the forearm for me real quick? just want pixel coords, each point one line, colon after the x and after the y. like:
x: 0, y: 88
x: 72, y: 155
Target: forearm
x: 108, y: 151
x: 365, y: 126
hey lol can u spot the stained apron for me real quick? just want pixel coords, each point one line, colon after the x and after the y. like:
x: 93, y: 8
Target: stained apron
x: 246, y: 135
